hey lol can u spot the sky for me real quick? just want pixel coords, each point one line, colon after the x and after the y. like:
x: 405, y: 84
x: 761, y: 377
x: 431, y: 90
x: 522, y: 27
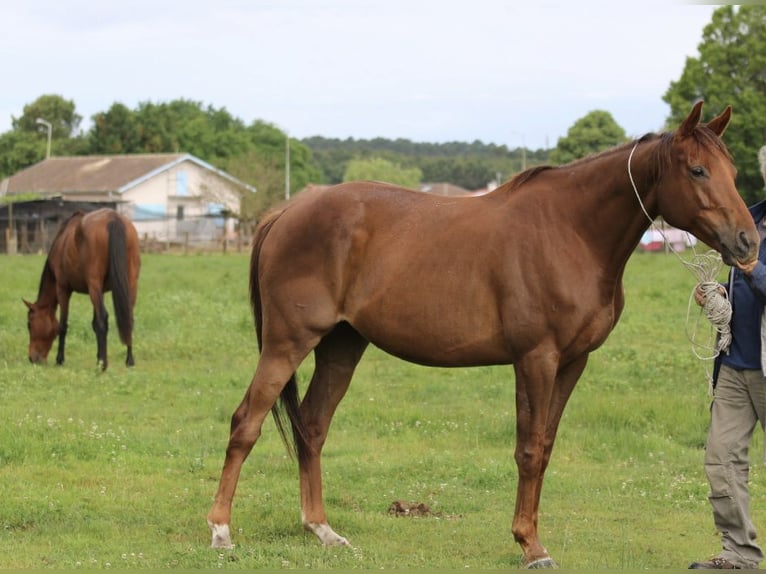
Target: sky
x: 514, y: 73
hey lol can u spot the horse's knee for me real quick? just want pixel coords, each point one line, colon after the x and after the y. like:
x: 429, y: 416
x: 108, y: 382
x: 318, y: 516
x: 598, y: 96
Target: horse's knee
x: 316, y: 434
x: 243, y: 435
x: 530, y: 461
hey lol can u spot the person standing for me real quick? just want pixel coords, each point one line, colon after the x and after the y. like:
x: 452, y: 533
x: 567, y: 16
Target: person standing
x: 739, y: 403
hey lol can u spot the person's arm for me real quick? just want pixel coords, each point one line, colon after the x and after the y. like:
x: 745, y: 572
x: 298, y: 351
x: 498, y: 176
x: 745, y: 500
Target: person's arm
x: 755, y: 277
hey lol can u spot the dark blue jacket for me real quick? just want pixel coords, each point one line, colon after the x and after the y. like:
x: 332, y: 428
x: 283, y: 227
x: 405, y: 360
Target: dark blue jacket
x: 748, y: 297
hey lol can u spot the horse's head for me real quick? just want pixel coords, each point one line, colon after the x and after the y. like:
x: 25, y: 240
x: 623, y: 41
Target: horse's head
x: 43, y: 329
x: 696, y: 191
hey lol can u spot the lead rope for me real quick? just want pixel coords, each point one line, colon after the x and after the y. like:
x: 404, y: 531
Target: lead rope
x: 717, y: 307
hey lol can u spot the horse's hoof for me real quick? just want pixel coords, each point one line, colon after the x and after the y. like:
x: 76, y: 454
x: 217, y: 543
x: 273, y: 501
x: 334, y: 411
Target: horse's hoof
x: 546, y: 562
x: 221, y: 536
x: 327, y: 536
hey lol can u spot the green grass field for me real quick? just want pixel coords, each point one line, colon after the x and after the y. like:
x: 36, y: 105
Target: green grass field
x: 118, y: 469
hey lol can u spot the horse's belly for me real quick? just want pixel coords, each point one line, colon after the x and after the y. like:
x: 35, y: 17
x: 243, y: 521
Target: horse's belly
x: 448, y: 339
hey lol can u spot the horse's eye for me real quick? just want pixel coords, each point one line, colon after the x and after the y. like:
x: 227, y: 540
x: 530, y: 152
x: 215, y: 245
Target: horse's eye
x: 698, y: 171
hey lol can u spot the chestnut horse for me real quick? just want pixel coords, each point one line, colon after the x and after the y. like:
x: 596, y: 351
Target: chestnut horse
x: 529, y: 274
x: 92, y: 253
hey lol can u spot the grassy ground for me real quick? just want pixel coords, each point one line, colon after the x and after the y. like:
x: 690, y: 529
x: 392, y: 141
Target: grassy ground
x: 118, y: 469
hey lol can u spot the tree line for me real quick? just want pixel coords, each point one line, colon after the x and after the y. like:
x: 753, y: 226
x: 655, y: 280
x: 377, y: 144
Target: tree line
x: 729, y: 70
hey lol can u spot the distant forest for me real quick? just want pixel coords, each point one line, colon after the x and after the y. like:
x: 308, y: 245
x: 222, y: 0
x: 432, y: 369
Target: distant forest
x: 468, y: 165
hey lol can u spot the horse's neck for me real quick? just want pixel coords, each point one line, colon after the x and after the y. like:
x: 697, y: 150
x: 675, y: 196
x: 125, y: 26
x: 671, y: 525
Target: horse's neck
x: 47, y: 296
x: 613, y: 209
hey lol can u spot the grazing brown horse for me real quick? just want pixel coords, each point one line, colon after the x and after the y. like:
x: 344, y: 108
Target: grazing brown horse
x: 530, y: 274
x: 92, y: 253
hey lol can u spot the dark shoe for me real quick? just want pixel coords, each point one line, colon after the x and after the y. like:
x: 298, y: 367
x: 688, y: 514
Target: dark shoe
x: 715, y: 563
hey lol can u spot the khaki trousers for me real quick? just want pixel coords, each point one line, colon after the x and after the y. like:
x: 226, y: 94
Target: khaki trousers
x: 739, y: 403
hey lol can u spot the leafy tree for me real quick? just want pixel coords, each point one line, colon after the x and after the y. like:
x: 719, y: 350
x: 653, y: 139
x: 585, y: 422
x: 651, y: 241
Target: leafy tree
x: 115, y: 131
x: 60, y: 113
x: 263, y: 166
x: 267, y: 174
x: 730, y: 70
x: 467, y: 172
x: 380, y: 169
x: 26, y: 143
x: 19, y: 149
x: 596, y: 131
x: 468, y: 164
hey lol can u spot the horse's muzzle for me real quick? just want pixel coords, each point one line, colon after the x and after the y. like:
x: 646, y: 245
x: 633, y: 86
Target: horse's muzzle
x: 36, y: 358
x: 743, y: 250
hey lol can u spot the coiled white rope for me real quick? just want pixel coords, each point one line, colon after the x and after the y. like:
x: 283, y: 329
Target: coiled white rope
x: 716, y: 307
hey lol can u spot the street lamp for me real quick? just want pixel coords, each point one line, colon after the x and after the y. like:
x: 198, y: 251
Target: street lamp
x: 50, y: 130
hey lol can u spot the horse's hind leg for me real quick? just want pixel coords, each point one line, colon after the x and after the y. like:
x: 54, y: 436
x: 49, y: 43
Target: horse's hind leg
x: 63, y: 296
x: 336, y: 358
x: 100, y: 325
x: 270, y: 377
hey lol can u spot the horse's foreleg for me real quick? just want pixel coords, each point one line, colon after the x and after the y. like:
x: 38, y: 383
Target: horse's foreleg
x: 565, y: 382
x: 336, y: 358
x: 63, y: 297
x: 535, y: 380
x: 246, y: 423
x: 100, y: 325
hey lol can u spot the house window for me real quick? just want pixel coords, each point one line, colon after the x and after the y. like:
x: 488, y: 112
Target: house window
x: 181, y: 182
x: 180, y: 213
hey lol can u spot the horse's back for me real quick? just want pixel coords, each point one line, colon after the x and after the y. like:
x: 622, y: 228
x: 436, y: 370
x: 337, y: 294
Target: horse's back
x: 80, y: 255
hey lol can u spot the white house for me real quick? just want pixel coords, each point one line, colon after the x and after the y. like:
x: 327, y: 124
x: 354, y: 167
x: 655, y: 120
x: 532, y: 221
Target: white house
x: 166, y: 195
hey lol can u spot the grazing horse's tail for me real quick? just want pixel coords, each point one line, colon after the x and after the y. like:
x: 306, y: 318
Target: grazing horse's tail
x: 289, y: 401
x: 118, y: 278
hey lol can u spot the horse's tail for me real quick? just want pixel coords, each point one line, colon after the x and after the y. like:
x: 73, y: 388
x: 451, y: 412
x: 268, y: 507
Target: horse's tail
x: 118, y: 277
x: 289, y: 400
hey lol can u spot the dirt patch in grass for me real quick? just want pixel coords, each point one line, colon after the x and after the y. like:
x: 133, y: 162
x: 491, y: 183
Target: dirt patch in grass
x: 401, y: 508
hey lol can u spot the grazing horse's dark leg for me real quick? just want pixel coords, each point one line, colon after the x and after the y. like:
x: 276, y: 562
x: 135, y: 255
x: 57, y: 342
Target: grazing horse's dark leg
x: 336, y: 358
x: 271, y: 375
x: 129, y: 359
x: 63, y: 297
x: 100, y: 326
x: 535, y: 381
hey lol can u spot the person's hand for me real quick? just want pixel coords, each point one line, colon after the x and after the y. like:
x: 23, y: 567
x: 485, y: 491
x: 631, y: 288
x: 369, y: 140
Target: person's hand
x: 748, y: 267
x: 699, y: 296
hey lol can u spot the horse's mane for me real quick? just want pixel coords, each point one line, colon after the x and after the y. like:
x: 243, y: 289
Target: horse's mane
x: 702, y: 135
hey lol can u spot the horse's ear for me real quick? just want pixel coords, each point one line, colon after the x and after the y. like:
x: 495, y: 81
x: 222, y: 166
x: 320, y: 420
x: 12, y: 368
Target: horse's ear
x: 719, y: 124
x: 27, y: 303
x: 691, y: 121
